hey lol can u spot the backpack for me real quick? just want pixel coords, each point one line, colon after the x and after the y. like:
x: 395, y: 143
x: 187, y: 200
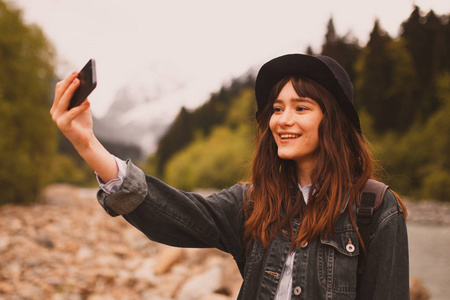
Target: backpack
x: 369, y: 200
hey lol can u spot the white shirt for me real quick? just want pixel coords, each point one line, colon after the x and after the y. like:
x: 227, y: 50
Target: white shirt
x: 284, y: 290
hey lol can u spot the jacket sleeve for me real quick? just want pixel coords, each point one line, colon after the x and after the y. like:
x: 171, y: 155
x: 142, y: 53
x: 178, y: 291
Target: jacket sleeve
x: 177, y: 218
x: 386, y: 273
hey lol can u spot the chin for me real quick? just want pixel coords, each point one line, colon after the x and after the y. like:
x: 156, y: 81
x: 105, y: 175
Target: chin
x: 286, y: 156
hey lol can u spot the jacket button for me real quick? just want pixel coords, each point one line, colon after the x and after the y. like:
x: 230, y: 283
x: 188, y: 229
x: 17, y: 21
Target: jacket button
x: 350, y: 247
x: 297, y: 290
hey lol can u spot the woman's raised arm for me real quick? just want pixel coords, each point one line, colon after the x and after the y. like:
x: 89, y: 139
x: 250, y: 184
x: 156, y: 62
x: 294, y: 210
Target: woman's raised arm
x: 76, y: 125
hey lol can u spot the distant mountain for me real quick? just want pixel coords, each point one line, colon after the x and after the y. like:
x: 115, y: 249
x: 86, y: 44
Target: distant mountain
x: 139, y: 113
x: 131, y: 120
x: 142, y: 111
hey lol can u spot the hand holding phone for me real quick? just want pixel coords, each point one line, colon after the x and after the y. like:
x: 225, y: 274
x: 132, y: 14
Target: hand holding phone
x: 88, y: 82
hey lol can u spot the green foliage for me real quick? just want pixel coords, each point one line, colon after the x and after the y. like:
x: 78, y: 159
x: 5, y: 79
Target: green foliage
x: 344, y: 50
x: 403, y: 113
x: 374, y: 75
x: 65, y: 169
x: 150, y: 164
x: 366, y: 121
x: 418, y: 161
x: 202, y: 119
x: 221, y: 158
x: 179, y: 135
x: 28, y: 137
x: 395, y: 77
x: 427, y: 39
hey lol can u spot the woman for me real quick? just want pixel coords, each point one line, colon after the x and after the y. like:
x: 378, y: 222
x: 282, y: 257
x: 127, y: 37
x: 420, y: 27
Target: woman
x: 292, y: 230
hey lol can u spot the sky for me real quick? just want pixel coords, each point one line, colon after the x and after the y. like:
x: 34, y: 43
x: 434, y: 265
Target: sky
x: 195, y: 46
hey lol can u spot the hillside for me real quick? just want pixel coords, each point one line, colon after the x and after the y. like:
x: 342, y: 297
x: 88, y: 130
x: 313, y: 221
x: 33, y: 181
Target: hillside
x: 401, y: 93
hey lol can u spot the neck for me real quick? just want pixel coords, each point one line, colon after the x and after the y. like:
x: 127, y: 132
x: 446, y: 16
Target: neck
x: 304, y: 173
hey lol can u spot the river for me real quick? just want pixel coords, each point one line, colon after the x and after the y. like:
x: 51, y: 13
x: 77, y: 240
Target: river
x: 429, y: 247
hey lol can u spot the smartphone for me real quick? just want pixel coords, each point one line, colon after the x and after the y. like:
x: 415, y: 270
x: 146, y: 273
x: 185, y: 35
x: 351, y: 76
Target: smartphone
x: 88, y: 82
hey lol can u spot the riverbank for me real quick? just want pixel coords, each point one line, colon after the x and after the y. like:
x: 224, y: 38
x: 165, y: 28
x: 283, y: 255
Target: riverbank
x: 67, y: 247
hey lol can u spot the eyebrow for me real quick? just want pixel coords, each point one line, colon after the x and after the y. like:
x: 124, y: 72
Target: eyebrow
x: 300, y: 99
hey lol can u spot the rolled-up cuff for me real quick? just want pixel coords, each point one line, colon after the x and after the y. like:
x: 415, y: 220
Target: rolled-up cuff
x: 132, y: 193
x: 114, y: 185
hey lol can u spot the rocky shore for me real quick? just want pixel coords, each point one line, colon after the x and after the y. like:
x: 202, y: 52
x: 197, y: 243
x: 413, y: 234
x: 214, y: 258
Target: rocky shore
x: 67, y: 247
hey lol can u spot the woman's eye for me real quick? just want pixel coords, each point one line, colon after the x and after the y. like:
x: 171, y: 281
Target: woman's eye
x: 300, y: 108
x: 277, y: 109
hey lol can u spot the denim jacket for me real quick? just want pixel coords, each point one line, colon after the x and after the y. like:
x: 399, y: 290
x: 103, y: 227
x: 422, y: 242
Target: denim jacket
x: 326, y: 268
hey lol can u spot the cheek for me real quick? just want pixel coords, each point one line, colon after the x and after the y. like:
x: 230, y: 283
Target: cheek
x: 317, y: 120
x: 313, y: 128
x: 272, y: 124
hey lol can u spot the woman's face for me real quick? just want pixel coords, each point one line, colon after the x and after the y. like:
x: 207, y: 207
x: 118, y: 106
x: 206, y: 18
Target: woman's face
x: 295, y: 126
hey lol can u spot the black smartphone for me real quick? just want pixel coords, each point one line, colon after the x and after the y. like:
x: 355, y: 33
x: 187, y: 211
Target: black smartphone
x: 88, y: 82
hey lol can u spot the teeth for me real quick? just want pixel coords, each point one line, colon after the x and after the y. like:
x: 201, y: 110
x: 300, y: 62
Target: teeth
x: 289, y: 136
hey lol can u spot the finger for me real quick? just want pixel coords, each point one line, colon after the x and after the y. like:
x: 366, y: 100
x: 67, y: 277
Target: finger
x: 78, y: 110
x: 65, y: 98
x: 61, y: 87
x: 63, y: 84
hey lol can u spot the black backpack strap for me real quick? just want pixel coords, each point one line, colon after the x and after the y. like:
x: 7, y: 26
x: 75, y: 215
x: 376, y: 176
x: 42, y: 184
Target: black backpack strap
x: 369, y: 200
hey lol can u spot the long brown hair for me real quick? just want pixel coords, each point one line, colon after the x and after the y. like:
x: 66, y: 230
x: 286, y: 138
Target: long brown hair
x: 344, y: 164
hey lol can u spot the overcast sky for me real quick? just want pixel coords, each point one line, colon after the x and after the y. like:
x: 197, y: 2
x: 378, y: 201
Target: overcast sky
x: 198, y: 44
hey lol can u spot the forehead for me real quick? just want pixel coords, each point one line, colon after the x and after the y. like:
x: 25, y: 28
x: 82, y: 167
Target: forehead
x: 289, y: 93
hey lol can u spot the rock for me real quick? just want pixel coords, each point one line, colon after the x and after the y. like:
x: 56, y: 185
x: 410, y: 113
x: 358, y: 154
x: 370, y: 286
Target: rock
x: 44, y: 241
x: 418, y: 290
x: 4, y: 243
x: 7, y: 288
x: 201, y: 285
x: 144, y: 270
x: 84, y: 253
x: 167, y: 258
x: 215, y: 297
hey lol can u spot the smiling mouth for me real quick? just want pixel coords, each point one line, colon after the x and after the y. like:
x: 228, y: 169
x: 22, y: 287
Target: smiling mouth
x: 289, y: 136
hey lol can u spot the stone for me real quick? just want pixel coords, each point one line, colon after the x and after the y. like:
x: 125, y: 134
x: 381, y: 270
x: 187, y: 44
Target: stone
x: 418, y: 290
x: 44, y: 241
x: 167, y: 257
x: 215, y: 297
x: 201, y: 285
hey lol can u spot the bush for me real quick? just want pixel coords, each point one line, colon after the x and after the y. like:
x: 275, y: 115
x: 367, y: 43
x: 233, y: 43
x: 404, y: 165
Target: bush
x: 28, y: 137
x: 436, y: 185
x: 220, y: 159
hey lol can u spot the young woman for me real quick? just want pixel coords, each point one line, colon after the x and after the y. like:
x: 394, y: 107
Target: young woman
x: 293, y: 230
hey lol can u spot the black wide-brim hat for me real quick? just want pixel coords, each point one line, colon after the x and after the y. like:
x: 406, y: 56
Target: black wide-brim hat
x: 322, y: 69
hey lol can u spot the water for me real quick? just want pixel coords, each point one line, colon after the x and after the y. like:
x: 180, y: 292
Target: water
x: 429, y: 257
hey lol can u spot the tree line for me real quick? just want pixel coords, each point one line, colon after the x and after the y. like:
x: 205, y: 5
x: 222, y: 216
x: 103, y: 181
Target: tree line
x: 401, y: 92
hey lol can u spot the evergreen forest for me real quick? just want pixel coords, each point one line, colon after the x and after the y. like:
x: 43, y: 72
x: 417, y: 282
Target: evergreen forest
x: 402, y: 93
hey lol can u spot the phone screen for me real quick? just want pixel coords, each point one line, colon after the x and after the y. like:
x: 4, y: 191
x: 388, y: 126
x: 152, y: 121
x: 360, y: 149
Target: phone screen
x: 88, y: 82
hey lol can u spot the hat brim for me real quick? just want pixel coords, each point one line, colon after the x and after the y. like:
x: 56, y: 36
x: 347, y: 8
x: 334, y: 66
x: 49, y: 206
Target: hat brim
x: 324, y: 70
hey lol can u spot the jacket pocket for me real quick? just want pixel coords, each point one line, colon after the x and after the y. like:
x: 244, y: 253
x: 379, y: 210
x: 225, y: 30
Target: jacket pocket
x: 338, y: 262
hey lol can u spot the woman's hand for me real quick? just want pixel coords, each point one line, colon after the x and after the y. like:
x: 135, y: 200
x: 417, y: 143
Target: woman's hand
x: 76, y: 125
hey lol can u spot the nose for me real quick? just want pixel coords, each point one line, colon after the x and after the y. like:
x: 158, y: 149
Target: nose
x: 286, y: 118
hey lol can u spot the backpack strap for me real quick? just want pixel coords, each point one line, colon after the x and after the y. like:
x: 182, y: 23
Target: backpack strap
x: 369, y: 200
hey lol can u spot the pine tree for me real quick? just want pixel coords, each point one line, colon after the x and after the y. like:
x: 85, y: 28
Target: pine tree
x: 178, y: 136
x: 374, y: 76
x: 427, y: 39
x: 344, y: 50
